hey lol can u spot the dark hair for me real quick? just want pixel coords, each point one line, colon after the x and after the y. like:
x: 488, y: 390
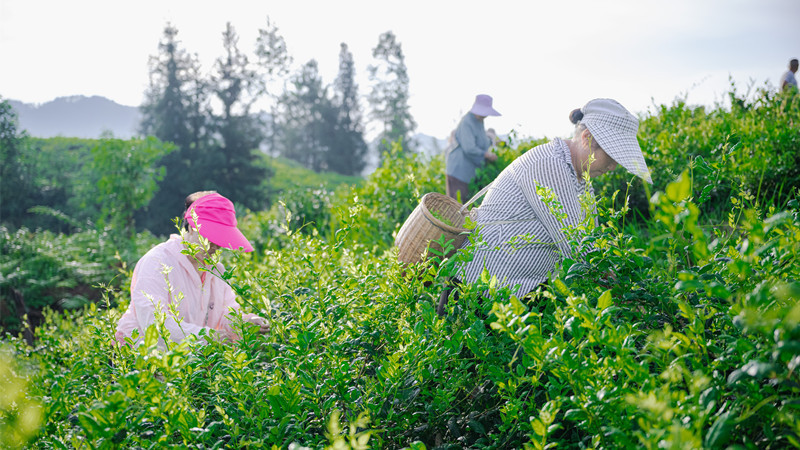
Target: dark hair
x: 575, y: 116
x: 191, y: 198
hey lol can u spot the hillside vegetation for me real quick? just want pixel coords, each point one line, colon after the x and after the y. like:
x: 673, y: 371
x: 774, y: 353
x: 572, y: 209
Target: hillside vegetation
x: 679, y: 329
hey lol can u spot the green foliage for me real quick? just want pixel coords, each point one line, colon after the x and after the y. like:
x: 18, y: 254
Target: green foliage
x: 63, y: 181
x: 752, y: 145
x: 43, y: 269
x: 670, y: 331
x: 48, y: 173
x: 647, y: 340
x: 20, y: 416
x: 290, y: 174
x: 128, y: 180
x: 63, y: 176
x: 14, y: 180
x: 384, y: 201
x: 649, y: 343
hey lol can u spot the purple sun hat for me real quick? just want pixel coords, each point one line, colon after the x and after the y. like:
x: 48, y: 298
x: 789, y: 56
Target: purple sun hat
x: 483, y: 106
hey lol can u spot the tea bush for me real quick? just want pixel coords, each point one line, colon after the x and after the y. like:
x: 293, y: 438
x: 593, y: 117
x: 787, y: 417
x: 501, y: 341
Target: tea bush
x: 680, y: 329
x: 753, y: 144
x: 685, y: 340
x: 386, y: 198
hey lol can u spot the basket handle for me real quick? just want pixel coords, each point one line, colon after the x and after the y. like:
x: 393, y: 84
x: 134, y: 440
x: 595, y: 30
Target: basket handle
x: 475, y: 197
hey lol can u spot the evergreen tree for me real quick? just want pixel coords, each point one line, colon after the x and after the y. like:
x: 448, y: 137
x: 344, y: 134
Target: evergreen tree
x: 166, y: 109
x: 272, y: 64
x: 349, y: 148
x: 272, y: 57
x: 238, y: 173
x: 307, y: 121
x: 174, y: 111
x: 390, y: 92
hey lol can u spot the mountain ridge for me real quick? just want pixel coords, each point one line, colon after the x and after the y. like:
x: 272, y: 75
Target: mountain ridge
x: 77, y: 116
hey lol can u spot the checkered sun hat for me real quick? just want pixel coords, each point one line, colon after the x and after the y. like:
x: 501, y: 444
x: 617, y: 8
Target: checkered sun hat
x: 615, y: 129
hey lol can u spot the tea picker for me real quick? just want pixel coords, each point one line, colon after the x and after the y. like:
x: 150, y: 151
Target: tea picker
x: 523, y: 240
x: 168, y: 277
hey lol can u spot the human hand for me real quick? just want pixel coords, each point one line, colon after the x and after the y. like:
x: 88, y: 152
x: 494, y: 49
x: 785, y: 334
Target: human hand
x: 491, y: 157
x: 263, y: 325
x: 225, y: 335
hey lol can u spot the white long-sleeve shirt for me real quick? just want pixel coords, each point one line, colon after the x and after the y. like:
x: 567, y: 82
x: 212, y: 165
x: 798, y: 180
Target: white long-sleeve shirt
x: 513, y: 208
x: 206, y: 302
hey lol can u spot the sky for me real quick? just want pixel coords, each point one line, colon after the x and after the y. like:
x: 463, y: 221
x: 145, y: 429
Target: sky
x: 537, y: 59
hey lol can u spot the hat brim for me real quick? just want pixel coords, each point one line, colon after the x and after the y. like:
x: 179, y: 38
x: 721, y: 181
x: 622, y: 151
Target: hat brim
x: 484, y: 111
x: 224, y: 235
x: 623, y: 148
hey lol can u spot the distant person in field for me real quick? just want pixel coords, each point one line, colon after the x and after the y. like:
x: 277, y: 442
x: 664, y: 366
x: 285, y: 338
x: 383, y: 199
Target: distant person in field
x: 513, y: 210
x: 167, y: 276
x: 470, y: 148
x: 788, y: 80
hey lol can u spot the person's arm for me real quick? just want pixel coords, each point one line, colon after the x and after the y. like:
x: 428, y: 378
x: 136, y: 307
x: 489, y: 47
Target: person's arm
x: 473, y: 141
x: 231, y: 307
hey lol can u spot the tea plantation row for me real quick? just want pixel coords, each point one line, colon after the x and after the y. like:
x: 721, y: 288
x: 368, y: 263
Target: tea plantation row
x: 679, y: 329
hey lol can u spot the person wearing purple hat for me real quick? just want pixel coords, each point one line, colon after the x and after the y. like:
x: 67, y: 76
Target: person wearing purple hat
x: 524, y: 240
x: 166, y: 276
x: 470, y: 148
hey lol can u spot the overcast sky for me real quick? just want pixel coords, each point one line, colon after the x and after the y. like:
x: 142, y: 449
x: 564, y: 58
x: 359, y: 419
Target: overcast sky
x: 538, y: 59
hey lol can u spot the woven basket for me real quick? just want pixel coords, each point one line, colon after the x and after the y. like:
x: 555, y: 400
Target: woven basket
x: 422, y: 229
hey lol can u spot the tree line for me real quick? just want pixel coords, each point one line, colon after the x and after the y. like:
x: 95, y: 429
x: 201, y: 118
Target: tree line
x: 218, y: 134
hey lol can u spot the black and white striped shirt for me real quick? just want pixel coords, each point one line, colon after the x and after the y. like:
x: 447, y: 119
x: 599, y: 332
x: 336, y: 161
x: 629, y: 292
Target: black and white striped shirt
x: 512, y: 208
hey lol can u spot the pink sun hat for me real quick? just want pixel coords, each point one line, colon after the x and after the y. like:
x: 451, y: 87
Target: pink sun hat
x: 216, y: 221
x: 483, y: 106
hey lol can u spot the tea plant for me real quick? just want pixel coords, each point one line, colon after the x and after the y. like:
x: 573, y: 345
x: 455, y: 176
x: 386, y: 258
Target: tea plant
x: 675, y: 324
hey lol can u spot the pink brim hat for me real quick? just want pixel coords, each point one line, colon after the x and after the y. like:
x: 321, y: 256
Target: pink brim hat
x: 216, y: 221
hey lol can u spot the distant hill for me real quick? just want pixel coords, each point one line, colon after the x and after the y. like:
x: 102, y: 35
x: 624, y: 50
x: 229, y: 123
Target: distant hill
x: 77, y: 116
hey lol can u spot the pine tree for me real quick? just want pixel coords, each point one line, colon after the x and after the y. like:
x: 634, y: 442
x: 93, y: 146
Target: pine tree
x: 307, y: 120
x: 235, y: 85
x: 166, y: 110
x: 349, y: 148
x: 175, y: 110
x: 390, y: 91
x: 272, y: 65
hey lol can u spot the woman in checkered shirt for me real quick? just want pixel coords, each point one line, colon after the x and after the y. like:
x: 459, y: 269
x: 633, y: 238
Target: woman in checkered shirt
x: 522, y: 239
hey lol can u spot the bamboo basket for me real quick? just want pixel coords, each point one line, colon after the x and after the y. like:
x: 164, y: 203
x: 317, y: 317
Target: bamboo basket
x: 421, y: 229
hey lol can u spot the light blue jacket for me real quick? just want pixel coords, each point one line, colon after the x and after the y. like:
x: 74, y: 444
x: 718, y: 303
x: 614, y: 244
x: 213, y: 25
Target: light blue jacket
x: 471, y: 144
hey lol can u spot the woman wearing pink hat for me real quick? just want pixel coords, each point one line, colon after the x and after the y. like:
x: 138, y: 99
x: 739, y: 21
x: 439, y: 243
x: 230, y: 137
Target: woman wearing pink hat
x: 523, y: 239
x: 165, y: 276
x: 470, y: 148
